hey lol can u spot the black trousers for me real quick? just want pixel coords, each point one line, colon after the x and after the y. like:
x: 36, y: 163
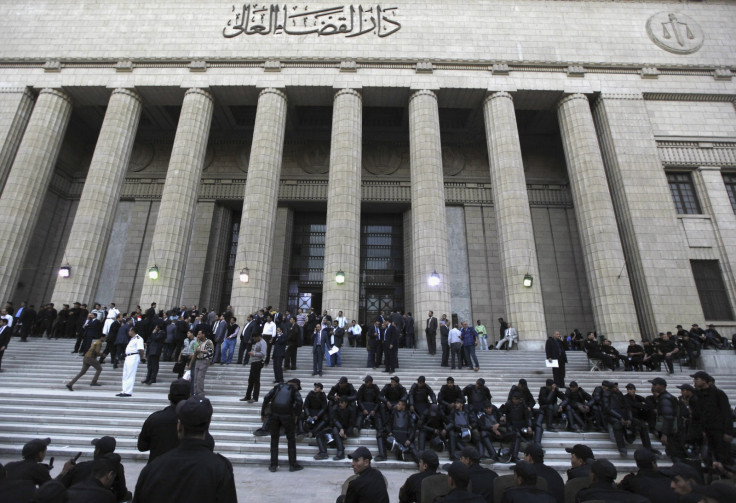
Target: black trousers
x: 254, y: 381
x: 431, y: 343
x: 290, y: 363
x: 558, y: 374
x: 278, y: 368
x: 277, y: 421
x: 153, y: 362
x: 379, y: 355
x: 446, y: 355
x: 391, y: 357
x: 243, y: 351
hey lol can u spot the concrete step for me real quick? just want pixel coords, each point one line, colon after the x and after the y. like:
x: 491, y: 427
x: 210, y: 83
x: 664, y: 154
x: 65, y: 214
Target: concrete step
x: 34, y: 402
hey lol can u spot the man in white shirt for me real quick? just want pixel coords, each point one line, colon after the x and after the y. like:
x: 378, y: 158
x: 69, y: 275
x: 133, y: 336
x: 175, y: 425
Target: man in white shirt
x: 509, y: 338
x: 341, y: 320
x: 4, y: 314
x: 454, y: 339
x: 354, y: 334
x: 133, y: 356
x: 112, y: 314
x: 268, y: 333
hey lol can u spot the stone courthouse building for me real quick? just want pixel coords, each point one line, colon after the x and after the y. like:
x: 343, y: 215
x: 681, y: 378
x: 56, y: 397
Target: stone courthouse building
x: 563, y: 164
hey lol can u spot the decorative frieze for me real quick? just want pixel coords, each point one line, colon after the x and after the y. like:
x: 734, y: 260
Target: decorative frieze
x: 695, y: 154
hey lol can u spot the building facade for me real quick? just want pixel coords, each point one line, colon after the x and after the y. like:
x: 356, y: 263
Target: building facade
x: 561, y: 164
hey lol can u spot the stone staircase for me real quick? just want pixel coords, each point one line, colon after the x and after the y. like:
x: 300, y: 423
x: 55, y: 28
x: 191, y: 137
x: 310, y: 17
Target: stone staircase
x: 35, y: 403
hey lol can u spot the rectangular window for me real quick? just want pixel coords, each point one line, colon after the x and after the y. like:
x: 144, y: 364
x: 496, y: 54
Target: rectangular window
x: 730, y: 181
x: 683, y: 193
x: 712, y: 290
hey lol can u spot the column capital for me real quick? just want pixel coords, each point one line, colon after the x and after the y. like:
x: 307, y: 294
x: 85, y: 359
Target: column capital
x: 201, y: 91
x: 423, y: 92
x: 496, y: 95
x: 350, y: 92
x: 272, y: 90
x: 571, y: 97
x: 58, y: 93
x: 128, y: 92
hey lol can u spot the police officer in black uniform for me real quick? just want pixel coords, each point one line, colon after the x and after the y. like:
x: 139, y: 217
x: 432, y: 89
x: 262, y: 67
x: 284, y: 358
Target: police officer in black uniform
x: 370, y: 411
x: 32, y: 468
x: 620, y: 417
x: 490, y: 430
x: 158, y: 434
x: 342, y: 418
x: 448, y: 394
x: 421, y: 397
x: 191, y: 472
x: 432, y: 428
x: 461, y: 426
x: 401, y: 432
x: 575, y: 404
x: 477, y: 394
x: 286, y: 405
x: 315, y: 413
x: 392, y: 393
x: 518, y: 419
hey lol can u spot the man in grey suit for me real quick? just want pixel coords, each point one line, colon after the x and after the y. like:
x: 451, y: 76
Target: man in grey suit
x: 431, y: 332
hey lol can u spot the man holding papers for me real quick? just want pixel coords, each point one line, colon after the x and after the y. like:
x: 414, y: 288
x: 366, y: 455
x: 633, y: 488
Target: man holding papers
x: 556, y: 353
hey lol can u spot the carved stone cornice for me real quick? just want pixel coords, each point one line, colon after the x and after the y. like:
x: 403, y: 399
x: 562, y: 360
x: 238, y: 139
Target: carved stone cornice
x: 456, y: 193
x: 685, y: 154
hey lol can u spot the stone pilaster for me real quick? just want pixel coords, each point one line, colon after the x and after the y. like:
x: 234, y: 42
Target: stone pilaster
x: 16, y: 105
x: 255, y: 242
x: 428, y: 219
x: 657, y: 261
x: 25, y: 188
x: 613, y: 306
x: 718, y: 205
x: 524, y: 306
x: 200, y: 242
x: 281, y: 260
x: 178, y: 202
x: 95, y: 214
x: 342, y: 236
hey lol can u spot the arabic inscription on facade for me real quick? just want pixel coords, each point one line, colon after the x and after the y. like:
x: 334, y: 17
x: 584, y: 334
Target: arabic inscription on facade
x: 277, y: 19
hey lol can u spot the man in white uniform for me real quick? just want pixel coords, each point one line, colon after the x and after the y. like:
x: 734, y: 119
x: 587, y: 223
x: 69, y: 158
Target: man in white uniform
x: 133, y: 356
x: 112, y: 314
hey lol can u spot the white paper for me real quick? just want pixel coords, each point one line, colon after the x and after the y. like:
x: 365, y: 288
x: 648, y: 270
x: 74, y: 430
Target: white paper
x: 333, y: 350
x: 553, y: 363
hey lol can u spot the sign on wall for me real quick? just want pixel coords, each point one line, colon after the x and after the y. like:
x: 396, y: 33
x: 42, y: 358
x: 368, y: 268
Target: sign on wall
x: 277, y: 19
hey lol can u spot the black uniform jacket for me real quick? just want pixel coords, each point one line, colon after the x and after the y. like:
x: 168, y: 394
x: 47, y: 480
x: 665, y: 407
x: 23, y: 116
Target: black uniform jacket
x: 90, y: 491
x: 191, y: 473
x: 369, y: 487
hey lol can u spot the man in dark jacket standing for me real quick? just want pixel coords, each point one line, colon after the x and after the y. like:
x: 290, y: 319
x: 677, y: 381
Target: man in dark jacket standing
x: 155, y: 347
x: 191, y: 472
x: 556, y: 351
x: 431, y: 332
x: 714, y: 416
x: 286, y: 405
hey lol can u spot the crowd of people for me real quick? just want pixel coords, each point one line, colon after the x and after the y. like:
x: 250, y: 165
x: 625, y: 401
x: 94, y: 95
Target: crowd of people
x: 409, y: 424
x: 696, y: 429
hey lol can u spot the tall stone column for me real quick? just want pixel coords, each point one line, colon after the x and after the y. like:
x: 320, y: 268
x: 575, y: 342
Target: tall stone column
x: 16, y: 105
x: 342, y: 236
x: 524, y: 305
x: 28, y: 181
x: 175, y: 221
x: 255, y: 242
x: 429, y: 232
x: 718, y: 205
x: 657, y: 261
x: 93, y: 221
x: 610, y: 291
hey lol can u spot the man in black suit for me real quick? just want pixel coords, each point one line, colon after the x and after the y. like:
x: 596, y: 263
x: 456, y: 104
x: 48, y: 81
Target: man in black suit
x: 4, y: 338
x: 246, y: 337
x: 431, y: 331
x: 391, y: 347
x: 556, y: 351
x: 371, y: 342
x: 91, y: 330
